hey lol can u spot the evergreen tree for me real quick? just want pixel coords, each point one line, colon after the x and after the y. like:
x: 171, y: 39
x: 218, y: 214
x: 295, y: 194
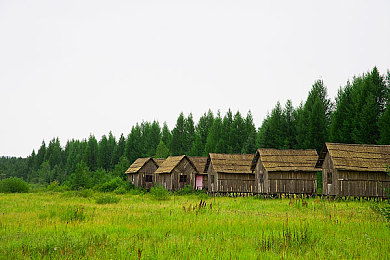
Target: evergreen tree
x: 40, y: 155
x: 111, y: 144
x: 119, y: 150
x: 384, y: 125
x: 91, y: 153
x: 162, y: 150
x: 238, y: 133
x: 189, y: 134
x: 308, y: 134
x: 134, y: 147
x: 80, y: 178
x: 197, y: 148
x: 178, y: 136
x: 166, y: 135
x: 121, y: 167
x: 214, y: 143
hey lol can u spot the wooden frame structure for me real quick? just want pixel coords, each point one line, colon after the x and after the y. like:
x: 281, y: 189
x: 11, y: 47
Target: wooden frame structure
x: 201, y: 176
x: 230, y: 173
x: 176, y: 172
x: 356, y: 170
x: 141, y: 172
x: 285, y: 171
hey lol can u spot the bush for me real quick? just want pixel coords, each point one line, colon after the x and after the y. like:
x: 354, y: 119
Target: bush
x: 14, y: 185
x: 185, y: 190
x: 112, y: 185
x: 107, y: 199
x: 159, y: 193
x: 120, y: 190
x: 56, y: 187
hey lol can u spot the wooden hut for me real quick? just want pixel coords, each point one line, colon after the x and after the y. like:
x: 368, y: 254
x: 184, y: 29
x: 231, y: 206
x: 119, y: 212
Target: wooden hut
x: 176, y: 172
x: 201, y: 176
x: 230, y: 173
x: 141, y: 172
x: 285, y: 171
x: 355, y: 170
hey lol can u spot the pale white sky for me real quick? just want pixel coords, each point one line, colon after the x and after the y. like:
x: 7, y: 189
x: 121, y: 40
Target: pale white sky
x: 71, y: 68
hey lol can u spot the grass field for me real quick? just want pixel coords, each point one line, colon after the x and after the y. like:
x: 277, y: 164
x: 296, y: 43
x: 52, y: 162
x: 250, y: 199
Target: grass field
x: 61, y: 225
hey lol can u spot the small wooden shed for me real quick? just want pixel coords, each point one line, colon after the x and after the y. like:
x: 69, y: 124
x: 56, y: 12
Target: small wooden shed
x: 176, y: 172
x: 230, y: 173
x: 201, y: 176
x: 355, y: 170
x: 142, y: 172
x: 285, y: 171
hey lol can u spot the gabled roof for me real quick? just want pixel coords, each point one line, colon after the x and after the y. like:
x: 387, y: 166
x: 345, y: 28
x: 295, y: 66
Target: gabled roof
x: 138, y: 164
x: 286, y: 160
x: 158, y: 161
x: 230, y: 163
x: 357, y: 157
x: 199, y: 162
x: 171, y: 162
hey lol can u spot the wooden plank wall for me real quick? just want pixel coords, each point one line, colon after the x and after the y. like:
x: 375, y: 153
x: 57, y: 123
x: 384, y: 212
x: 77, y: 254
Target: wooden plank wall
x: 148, y: 169
x: 292, y: 182
x: 240, y: 182
x: 363, y: 184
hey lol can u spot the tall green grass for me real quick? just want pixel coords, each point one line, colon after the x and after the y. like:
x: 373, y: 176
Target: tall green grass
x: 44, y: 225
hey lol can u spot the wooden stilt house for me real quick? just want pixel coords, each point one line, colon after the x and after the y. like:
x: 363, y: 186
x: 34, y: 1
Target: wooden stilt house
x: 230, y: 173
x: 142, y: 172
x: 201, y: 176
x: 356, y: 170
x: 285, y: 171
x: 176, y: 172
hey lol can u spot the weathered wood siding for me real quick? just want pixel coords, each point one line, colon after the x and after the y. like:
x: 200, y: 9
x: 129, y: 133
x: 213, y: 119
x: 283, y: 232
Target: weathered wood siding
x: 292, y: 182
x: 171, y: 181
x: 212, y: 182
x: 363, y: 184
x: 239, y: 182
x: 139, y: 178
x: 205, y: 182
x: 261, y: 178
x: 329, y: 187
x: 230, y: 182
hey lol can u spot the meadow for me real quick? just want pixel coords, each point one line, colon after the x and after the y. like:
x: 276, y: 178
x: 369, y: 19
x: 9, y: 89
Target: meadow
x: 69, y: 225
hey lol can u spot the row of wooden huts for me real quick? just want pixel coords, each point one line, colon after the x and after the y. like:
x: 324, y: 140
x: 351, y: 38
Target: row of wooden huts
x: 347, y: 170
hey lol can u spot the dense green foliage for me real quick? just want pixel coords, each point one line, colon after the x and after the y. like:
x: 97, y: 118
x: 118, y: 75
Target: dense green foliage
x: 13, y: 185
x: 360, y: 114
x: 53, y: 226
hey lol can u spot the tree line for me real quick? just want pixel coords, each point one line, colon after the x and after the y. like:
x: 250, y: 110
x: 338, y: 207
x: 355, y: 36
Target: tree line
x: 359, y: 114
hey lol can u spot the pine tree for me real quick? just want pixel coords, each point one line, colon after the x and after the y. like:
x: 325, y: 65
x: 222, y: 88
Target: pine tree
x: 189, y: 134
x: 178, y: 136
x: 238, y: 134
x: 384, y: 126
x: 40, y: 155
x: 91, y: 153
x: 104, y: 155
x: 197, y: 148
x: 166, y: 135
x: 134, y: 147
x: 214, y: 143
x: 162, y: 150
x: 119, y: 150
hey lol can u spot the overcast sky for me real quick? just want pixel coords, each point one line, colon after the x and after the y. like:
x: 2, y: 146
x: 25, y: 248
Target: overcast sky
x: 71, y: 68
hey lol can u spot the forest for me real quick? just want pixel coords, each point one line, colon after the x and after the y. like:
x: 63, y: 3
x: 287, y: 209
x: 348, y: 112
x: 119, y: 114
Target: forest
x: 360, y: 113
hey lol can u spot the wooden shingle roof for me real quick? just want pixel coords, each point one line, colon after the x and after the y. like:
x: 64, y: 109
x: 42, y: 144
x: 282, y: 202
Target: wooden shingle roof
x: 159, y: 161
x: 357, y: 157
x: 138, y: 164
x: 230, y: 163
x: 199, y: 162
x: 171, y: 162
x: 286, y: 160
